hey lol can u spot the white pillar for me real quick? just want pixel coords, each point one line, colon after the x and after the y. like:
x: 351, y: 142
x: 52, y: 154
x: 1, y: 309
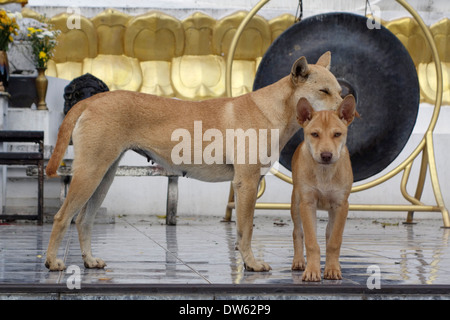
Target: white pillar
x: 4, y: 96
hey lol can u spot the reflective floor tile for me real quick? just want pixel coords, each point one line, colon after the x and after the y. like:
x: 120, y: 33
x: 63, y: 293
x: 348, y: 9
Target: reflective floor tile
x: 201, y: 250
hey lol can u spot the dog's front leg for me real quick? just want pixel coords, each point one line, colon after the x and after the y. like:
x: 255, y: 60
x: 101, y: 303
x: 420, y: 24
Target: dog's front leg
x: 308, y: 215
x: 337, y: 217
x: 299, y: 260
x: 245, y: 187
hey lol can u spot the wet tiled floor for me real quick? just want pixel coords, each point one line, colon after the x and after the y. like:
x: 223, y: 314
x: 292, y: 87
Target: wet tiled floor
x: 197, y: 258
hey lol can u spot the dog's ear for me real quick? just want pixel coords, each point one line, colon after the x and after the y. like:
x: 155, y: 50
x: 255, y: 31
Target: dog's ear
x: 304, y: 111
x: 299, y: 71
x: 325, y: 60
x: 347, y: 109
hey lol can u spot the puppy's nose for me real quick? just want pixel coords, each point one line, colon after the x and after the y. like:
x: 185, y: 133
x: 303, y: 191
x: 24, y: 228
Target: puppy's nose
x: 326, y: 156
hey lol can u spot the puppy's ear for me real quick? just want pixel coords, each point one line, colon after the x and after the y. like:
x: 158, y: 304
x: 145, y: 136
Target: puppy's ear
x: 347, y: 109
x: 304, y: 111
x: 325, y: 60
x: 299, y: 71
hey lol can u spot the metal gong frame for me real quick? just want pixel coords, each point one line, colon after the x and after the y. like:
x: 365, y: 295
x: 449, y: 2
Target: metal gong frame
x: 425, y: 147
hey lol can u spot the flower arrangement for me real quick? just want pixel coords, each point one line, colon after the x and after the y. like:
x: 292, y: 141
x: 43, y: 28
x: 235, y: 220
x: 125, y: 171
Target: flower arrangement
x: 8, y: 28
x: 43, y: 41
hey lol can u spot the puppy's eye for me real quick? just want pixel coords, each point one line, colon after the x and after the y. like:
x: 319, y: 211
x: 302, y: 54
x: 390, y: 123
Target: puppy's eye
x: 324, y: 91
x: 315, y: 134
x: 337, y: 134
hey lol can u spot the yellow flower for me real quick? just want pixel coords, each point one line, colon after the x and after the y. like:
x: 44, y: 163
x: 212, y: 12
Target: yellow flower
x: 42, y: 55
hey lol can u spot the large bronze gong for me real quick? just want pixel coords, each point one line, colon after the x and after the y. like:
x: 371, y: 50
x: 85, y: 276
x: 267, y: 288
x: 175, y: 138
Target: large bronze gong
x: 373, y: 65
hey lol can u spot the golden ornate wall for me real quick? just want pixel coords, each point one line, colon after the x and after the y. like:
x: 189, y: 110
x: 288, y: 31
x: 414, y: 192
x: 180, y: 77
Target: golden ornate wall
x: 157, y: 53
x: 412, y: 37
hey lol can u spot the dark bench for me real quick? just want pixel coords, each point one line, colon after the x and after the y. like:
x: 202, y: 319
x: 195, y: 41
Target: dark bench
x: 26, y: 158
x: 140, y: 171
x: 65, y: 172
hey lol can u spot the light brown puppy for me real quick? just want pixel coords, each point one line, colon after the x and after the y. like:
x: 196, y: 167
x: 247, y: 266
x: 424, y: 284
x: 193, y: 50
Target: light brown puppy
x: 104, y: 126
x: 322, y: 177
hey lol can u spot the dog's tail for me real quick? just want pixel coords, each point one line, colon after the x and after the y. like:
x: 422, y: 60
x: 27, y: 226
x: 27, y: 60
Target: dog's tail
x: 64, y: 135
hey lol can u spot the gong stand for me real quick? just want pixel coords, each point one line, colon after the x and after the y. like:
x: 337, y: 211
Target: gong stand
x: 425, y: 148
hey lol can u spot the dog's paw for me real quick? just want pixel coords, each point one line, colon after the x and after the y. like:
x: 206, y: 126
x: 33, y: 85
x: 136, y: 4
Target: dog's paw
x: 93, y: 263
x: 55, y: 265
x: 332, y: 273
x: 298, y: 264
x: 258, y: 266
x: 311, y: 274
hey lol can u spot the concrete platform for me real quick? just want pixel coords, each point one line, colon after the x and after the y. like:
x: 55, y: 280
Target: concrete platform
x: 380, y: 259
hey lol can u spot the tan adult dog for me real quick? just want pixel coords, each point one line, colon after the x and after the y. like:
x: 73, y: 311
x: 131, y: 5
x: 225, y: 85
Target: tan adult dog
x: 322, y: 176
x: 104, y: 126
